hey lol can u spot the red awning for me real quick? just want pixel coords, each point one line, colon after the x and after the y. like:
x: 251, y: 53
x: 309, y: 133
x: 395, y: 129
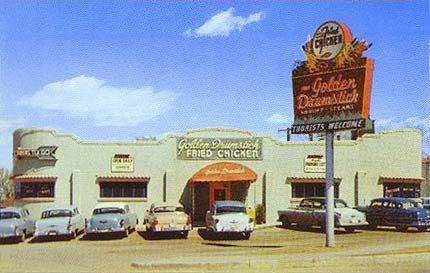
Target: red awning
x: 311, y: 179
x: 123, y: 178
x: 224, y: 172
x: 35, y: 178
x: 390, y: 179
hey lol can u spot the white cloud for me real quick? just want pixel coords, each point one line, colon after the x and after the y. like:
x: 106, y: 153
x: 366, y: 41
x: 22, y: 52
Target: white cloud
x: 412, y: 122
x: 279, y: 119
x: 105, y: 105
x: 224, y: 23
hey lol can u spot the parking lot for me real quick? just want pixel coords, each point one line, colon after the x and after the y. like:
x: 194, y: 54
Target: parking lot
x: 270, y: 249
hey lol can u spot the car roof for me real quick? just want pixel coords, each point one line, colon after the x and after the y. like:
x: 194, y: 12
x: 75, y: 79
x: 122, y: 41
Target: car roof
x: 228, y: 203
x: 167, y: 204
x: 11, y: 209
x: 320, y: 198
x: 61, y: 208
x: 394, y: 199
x: 111, y: 205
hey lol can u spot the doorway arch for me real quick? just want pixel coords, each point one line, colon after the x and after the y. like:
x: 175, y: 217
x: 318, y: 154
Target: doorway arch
x: 219, y: 181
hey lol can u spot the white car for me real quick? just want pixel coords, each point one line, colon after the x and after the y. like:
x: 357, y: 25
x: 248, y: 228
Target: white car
x: 60, y: 221
x: 112, y: 218
x: 312, y: 212
x: 168, y: 218
x: 229, y: 217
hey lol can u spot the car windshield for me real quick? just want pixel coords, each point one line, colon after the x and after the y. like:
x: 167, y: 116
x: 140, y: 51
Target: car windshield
x: 168, y: 209
x: 8, y: 215
x: 230, y: 209
x: 57, y: 213
x: 108, y: 210
x: 408, y: 205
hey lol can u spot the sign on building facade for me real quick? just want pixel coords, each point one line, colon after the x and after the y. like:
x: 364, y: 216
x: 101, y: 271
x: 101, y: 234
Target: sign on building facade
x: 122, y: 164
x: 219, y: 148
x: 331, y: 88
x: 314, y: 164
x: 41, y: 153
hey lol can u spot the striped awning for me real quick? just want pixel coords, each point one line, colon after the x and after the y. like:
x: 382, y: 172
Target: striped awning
x: 391, y: 179
x: 310, y: 179
x: 35, y: 178
x: 123, y: 178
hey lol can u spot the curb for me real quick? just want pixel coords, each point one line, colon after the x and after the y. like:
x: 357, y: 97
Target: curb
x: 264, y: 226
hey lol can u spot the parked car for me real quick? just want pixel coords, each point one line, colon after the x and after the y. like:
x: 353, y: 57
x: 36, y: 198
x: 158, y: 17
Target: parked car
x: 425, y: 201
x: 399, y: 212
x: 16, y: 223
x: 111, y: 218
x: 312, y: 212
x: 229, y: 217
x: 60, y: 221
x: 168, y: 217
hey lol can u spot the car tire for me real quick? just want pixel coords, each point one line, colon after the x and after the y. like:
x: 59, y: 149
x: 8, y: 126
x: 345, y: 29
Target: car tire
x: 73, y: 235
x: 285, y: 222
x: 246, y: 235
x: 422, y: 229
x: 349, y: 229
x: 402, y: 228
x: 184, y: 235
x: 126, y: 232
x: 372, y: 225
x: 21, y: 237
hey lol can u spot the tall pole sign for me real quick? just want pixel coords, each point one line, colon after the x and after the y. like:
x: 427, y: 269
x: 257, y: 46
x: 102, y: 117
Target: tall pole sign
x: 331, y: 91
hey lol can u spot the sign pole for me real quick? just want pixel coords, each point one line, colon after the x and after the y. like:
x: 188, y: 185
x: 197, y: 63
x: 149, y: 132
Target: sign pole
x: 329, y: 189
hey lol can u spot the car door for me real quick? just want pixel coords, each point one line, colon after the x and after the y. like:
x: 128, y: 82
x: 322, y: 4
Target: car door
x: 318, y: 213
x: 375, y: 212
x: 304, y: 213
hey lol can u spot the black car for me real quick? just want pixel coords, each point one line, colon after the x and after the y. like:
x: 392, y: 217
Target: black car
x: 399, y: 212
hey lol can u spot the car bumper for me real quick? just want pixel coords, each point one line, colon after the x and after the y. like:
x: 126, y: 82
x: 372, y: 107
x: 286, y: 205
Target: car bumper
x: 52, y: 233
x: 420, y: 224
x: 5, y: 235
x: 233, y: 229
x: 352, y: 223
x: 104, y: 230
x: 171, y: 228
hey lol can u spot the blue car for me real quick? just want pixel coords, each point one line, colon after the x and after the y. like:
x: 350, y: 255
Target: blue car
x: 401, y: 213
x: 15, y: 223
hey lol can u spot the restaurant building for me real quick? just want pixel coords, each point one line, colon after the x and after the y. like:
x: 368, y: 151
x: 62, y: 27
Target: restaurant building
x: 204, y: 165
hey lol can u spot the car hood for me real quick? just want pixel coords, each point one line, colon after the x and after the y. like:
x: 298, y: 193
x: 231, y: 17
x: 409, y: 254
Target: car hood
x: 348, y: 211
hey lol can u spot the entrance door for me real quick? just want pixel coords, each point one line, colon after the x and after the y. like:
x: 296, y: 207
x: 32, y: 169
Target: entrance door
x: 219, y: 192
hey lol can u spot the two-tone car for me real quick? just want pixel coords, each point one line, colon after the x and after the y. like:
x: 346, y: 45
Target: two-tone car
x: 56, y: 221
x: 312, y: 212
x: 401, y: 213
x: 227, y: 217
x: 16, y: 223
x: 168, y: 218
x: 111, y: 218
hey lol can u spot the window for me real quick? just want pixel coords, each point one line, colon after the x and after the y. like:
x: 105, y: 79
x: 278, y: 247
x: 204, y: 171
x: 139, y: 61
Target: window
x: 123, y: 189
x: 300, y: 190
x: 35, y: 190
x: 408, y: 190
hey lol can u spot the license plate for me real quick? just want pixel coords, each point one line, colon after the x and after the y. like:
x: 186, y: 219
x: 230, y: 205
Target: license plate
x: 234, y: 227
x: 52, y: 233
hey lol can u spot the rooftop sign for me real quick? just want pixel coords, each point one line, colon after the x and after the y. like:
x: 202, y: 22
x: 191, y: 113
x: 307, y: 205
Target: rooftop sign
x: 331, y: 88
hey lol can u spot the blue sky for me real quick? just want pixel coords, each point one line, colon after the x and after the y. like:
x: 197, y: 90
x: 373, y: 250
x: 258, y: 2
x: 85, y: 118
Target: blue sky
x: 119, y: 70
